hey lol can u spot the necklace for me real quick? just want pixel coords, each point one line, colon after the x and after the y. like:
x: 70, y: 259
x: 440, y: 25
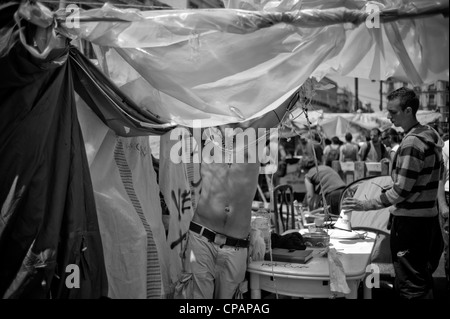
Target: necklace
x: 223, y: 146
x: 229, y: 153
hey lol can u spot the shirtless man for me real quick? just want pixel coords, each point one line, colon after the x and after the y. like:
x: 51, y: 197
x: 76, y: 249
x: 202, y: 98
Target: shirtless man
x: 218, y: 237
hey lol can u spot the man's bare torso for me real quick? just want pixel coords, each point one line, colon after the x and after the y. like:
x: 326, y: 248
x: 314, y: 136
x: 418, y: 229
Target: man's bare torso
x: 226, y: 195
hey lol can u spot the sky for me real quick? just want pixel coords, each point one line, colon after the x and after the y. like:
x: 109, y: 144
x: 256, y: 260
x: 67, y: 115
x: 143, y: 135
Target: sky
x: 367, y: 91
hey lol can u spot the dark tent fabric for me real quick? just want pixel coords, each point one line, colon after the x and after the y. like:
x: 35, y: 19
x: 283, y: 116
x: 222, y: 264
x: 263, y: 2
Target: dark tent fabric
x: 48, y: 220
x: 48, y: 214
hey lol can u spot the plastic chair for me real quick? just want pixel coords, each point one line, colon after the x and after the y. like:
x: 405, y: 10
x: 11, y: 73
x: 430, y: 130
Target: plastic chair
x: 375, y: 221
x: 283, y: 199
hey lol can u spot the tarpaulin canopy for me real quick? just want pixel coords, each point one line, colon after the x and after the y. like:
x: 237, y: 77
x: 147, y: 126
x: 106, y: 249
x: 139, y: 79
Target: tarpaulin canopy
x: 231, y: 65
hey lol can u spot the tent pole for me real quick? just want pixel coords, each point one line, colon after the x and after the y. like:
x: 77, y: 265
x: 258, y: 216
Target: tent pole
x: 381, y: 95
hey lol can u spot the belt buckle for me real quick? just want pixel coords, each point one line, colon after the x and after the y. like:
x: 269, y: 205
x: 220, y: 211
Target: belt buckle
x: 220, y: 239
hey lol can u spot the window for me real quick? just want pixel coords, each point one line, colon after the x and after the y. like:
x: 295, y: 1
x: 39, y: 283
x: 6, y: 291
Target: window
x: 431, y: 101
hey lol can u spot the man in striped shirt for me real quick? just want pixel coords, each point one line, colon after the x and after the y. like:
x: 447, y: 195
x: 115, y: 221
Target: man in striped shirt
x: 415, y: 173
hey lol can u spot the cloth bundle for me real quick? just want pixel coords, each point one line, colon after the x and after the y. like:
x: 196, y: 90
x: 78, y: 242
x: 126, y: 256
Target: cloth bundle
x: 288, y: 241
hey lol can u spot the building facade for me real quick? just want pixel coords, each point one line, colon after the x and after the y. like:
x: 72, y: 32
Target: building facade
x: 326, y: 99
x: 433, y: 97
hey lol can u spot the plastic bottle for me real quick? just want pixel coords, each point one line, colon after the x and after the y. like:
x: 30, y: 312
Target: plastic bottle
x: 261, y: 222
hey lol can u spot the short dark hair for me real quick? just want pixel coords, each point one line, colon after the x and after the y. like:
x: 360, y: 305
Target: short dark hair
x: 393, y: 134
x: 307, y: 162
x: 407, y: 97
x: 336, y: 140
x: 348, y: 137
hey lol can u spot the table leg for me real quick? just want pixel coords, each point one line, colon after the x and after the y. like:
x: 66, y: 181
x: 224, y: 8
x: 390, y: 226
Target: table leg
x: 367, y: 291
x: 255, y: 291
x: 353, y: 285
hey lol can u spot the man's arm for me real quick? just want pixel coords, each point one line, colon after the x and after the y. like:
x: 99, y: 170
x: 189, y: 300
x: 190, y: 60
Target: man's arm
x: 361, y: 151
x: 411, y: 165
x: 443, y: 206
x: 411, y: 158
x: 309, y: 190
x: 341, y: 153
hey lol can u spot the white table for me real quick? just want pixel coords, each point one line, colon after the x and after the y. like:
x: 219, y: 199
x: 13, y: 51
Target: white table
x: 312, y: 280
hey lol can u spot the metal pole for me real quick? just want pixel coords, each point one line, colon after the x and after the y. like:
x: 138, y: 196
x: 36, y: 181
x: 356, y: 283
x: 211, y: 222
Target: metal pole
x: 356, y: 95
x: 381, y: 95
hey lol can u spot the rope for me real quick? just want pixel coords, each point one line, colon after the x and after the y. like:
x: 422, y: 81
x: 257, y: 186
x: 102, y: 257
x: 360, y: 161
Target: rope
x: 307, y: 92
x: 100, y: 4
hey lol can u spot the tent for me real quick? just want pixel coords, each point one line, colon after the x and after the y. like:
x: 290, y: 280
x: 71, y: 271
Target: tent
x: 203, y: 70
x: 359, y: 124
x: 79, y: 193
x: 380, y: 118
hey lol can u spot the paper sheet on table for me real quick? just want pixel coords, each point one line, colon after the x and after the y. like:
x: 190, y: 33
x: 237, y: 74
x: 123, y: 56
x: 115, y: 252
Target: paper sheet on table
x: 344, y: 234
x: 338, y: 282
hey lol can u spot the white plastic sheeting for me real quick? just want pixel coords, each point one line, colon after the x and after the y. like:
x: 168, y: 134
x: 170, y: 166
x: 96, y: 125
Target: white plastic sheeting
x: 180, y: 197
x: 187, y: 65
x: 130, y: 219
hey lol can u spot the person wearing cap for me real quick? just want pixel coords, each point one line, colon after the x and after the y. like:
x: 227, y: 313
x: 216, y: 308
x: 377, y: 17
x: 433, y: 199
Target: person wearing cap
x: 322, y: 178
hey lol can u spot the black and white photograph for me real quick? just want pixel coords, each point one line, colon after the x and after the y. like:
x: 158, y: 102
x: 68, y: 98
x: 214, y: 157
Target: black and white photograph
x: 232, y: 157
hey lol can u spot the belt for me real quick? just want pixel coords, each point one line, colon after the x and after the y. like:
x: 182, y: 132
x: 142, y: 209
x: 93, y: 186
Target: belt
x: 218, y: 238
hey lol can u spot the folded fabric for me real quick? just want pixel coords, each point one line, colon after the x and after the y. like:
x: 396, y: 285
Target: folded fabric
x: 344, y: 234
x: 289, y: 241
x: 338, y: 282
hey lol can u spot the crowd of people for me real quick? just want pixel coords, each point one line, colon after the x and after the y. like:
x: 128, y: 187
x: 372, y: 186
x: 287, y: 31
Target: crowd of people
x: 312, y: 148
x: 377, y: 146
x: 218, y: 240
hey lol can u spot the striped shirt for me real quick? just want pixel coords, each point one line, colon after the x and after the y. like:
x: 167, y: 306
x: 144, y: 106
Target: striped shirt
x: 415, y: 173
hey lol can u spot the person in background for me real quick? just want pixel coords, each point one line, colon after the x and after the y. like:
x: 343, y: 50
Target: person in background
x: 373, y: 151
x: 332, y: 153
x: 322, y: 179
x: 390, y: 139
x: 310, y: 146
x: 282, y: 164
x: 416, y: 174
x: 443, y: 206
x: 362, y: 144
x: 349, y: 151
x: 327, y: 143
